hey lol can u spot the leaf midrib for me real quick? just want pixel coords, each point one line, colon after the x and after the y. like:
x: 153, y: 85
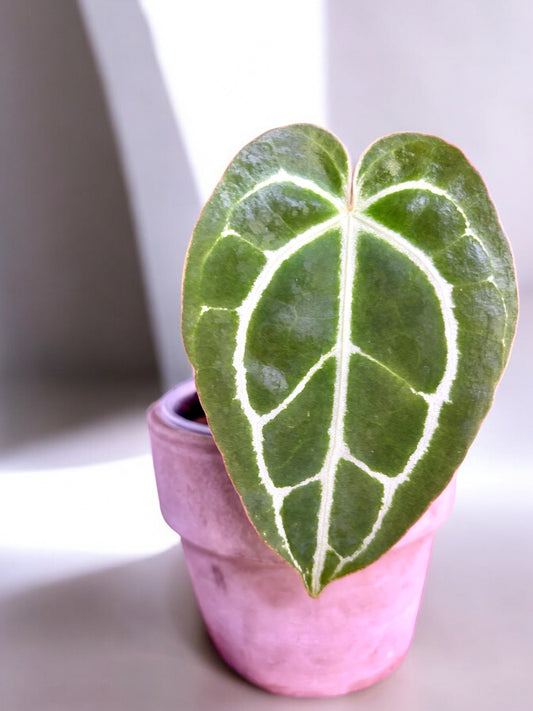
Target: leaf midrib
x: 327, y: 478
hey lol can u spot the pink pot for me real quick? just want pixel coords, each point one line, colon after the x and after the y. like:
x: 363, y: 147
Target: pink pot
x: 255, y: 607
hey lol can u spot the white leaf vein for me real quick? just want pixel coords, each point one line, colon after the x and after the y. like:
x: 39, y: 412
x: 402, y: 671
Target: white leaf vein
x: 343, y: 350
x: 245, y: 311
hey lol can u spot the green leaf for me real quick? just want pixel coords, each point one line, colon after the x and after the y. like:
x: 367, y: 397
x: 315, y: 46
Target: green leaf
x: 347, y: 334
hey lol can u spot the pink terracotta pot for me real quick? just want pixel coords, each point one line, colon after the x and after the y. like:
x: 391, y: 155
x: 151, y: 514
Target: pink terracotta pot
x: 254, y: 605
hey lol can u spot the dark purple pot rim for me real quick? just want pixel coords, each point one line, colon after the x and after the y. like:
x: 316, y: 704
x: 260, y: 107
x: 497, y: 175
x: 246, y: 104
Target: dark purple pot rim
x: 175, y: 401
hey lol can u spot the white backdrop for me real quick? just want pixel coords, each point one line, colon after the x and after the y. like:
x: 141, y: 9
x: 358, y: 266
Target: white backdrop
x: 235, y: 69
x: 228, y: 71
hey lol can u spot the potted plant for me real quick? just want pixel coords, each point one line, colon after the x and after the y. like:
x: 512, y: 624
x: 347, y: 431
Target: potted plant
x: 347, y: 330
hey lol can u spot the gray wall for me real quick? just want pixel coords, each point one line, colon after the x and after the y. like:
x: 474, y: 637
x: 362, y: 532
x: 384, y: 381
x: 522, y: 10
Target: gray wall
x: 71, y: 297
x: 71, y: 289
x: 458, y: 68
x: 164, y: 201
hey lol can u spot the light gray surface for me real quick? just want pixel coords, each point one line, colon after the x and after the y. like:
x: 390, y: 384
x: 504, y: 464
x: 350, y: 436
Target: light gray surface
x: 82, y: 628
x: 129, y: 636
x: 49, y: 423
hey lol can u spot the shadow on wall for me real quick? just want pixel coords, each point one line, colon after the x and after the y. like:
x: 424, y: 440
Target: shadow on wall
x: 71, y: 297
x: 164, y: 199
x: 74, y: 312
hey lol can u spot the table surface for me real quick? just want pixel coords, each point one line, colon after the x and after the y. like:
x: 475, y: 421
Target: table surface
x: 97, y: 612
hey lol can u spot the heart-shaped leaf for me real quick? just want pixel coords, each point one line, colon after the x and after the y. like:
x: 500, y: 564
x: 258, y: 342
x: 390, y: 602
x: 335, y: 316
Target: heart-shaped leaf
x: 347, y: 335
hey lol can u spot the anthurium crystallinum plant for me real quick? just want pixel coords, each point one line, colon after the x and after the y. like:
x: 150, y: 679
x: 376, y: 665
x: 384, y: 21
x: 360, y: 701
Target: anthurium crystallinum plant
x: 347, y: 329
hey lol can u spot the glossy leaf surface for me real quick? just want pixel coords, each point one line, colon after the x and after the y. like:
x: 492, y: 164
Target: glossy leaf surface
x: 347, y: 334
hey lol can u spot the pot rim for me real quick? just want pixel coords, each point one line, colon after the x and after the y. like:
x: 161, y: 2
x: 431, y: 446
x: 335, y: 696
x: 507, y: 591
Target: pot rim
x: 170, y: 411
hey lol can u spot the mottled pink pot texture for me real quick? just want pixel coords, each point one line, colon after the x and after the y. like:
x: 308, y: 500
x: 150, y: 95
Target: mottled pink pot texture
x: 255, y: 607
